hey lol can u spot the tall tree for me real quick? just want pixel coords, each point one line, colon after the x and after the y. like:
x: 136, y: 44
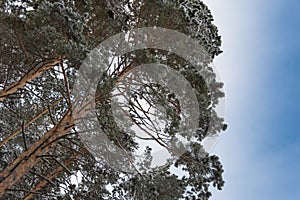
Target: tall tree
x: 43, y: 44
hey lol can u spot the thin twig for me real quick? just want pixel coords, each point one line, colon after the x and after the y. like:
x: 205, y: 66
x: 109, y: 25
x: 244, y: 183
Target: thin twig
x: 40, y: 175
x: 66, y: 84
x: 24, y: 136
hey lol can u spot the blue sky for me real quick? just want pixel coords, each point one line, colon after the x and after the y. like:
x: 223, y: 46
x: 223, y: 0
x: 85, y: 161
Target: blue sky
x: 260, y: 67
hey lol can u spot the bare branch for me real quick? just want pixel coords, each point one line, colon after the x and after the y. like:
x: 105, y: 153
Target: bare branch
x: 20, y: 166
x: 59, y: 169
x: 34, y: 73
x: 29, y: 123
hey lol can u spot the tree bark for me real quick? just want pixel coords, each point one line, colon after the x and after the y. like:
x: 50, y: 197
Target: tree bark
x: 28, y: 77
x: 12, y: 135
x: 43, y: 183
x: 29, y: 158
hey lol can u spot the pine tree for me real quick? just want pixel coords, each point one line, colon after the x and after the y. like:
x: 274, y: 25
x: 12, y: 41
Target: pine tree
x: 43, y: 45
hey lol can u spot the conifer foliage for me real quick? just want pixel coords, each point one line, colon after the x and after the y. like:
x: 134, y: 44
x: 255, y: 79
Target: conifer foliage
x: 42, y: 46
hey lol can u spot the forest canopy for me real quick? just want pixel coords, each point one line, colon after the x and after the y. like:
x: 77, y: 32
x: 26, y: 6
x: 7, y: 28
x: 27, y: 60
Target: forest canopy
x: 158, y: 97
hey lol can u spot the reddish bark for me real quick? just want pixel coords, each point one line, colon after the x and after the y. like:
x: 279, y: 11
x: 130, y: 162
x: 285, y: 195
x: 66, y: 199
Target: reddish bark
x: 27, y: 78
x: 29, y: 158
x: 29, y: 123
x: 58, y: 170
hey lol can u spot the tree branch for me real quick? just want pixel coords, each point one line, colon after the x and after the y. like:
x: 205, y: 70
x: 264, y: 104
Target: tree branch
x: 34, y: 73
x: 29, y: 123
x: 43, y: 183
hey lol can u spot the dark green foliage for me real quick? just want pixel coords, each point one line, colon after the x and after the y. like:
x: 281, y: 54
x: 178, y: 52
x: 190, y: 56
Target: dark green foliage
x: 32, y: 32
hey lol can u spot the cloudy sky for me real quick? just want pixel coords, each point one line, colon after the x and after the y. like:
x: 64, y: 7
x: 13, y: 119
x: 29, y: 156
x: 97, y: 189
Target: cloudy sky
x: 260, y: 67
